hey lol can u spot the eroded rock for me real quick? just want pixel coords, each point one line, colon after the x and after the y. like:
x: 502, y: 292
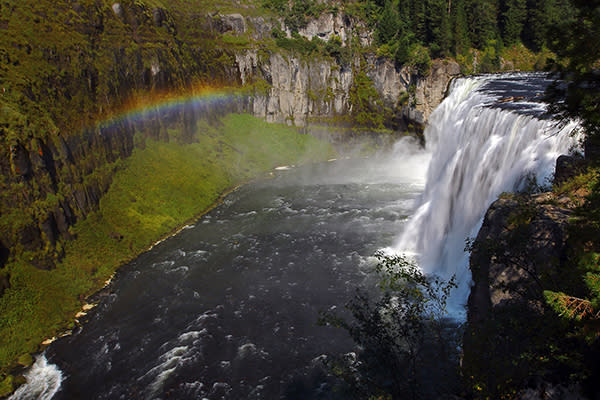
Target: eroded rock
x: 521, y: 250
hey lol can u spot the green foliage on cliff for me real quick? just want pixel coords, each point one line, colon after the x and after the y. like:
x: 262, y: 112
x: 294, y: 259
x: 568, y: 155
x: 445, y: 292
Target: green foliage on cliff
x: 577, y: 95
x: 366, y: 107
x: 580, y: 300
x: 161, y: 186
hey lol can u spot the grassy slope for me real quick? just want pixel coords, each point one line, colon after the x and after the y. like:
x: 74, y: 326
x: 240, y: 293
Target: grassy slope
x: 156, y: 190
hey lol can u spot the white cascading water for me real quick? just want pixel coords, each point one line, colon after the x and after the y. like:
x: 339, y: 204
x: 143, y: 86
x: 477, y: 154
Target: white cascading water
x: 43, y: 381
x: 477, y: 152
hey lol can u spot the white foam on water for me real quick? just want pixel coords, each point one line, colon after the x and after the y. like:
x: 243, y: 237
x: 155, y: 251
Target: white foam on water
x: 43, y: 381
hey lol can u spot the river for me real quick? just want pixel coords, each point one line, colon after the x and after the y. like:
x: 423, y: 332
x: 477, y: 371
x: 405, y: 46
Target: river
x: 227, y: 308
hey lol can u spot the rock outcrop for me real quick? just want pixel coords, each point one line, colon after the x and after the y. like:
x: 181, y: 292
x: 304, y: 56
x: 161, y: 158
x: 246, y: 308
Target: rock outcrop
x: 330, y: 24
x: 300, y: 90
x: 521, y: 250
x: 520, y: 240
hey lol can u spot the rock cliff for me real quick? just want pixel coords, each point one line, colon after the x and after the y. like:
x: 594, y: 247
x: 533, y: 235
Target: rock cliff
x: 56, y: 163
x: 301, y: 90
x: 514, y: 343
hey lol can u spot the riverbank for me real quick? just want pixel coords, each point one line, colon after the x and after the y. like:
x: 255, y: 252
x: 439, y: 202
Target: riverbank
x: 161, y: 187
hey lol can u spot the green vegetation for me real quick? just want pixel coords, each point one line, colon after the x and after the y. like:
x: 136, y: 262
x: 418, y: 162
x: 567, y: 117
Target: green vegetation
x: 578, y: 299
x: 367, y: 109
x: 407, y: 350
x: 577, y: 45
x: 460, y: 28
x: 297, y: 13
x: 154, y: 191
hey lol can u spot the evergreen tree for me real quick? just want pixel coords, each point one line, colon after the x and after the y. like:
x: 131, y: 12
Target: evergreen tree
x: 419, y: 23
x: 513, y: 16
x: 460, y: 30
x: 483, y: 21
x: 539, y: 20
x: 576, y: 42
x: 388, y: 25
x: 438, y: 34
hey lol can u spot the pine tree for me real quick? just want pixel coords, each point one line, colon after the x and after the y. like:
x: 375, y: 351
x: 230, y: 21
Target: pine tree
x: 388, y: 25
x: 460, y: 37
x: 513, y: 16
x: 483, y: 21
x: 576, y: 42
x: 539, y: 20
x: 419, y: 23
x: 438, y: 34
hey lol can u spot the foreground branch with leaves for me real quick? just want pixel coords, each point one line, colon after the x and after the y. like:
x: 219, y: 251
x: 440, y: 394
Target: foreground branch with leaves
x: 407, y: 345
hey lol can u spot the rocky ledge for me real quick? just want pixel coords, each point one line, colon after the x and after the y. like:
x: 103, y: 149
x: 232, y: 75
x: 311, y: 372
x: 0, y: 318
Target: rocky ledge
x: 513, y: 340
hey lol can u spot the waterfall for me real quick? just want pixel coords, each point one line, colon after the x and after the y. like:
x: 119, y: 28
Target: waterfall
x: 479, y: 149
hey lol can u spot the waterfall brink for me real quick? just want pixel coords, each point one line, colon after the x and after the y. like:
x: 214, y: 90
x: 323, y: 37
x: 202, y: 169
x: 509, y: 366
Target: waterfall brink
x: 479, y: 149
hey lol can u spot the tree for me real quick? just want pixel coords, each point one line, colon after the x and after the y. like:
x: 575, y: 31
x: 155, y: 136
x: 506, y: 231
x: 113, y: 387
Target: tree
x: 576, y: 92
x: 460, y: 37
x: 402, y: 337
x: 513, y: 16
x: 388, y: 24
x: 483, y: 21
x: 366, y: 107
x: 419, y: 23
x: 438, y: 27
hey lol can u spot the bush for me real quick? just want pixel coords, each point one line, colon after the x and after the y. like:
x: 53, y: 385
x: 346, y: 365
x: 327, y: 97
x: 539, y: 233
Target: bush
x: 420, y: 59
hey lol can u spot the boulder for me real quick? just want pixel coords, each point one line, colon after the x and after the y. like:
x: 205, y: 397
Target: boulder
x: 567, y: 167
x: 233, y: 23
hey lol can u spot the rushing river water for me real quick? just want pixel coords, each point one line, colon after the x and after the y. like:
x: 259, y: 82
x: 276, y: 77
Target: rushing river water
x: 227, y: 309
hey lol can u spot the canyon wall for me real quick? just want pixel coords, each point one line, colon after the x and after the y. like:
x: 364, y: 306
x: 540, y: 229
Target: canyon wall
x: 57, y: 161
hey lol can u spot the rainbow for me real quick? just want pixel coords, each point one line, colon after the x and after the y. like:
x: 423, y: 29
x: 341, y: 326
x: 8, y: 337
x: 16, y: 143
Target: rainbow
x: 145, y: 106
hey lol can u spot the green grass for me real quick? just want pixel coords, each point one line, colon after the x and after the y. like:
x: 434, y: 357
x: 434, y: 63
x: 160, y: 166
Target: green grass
x: 155, y: 191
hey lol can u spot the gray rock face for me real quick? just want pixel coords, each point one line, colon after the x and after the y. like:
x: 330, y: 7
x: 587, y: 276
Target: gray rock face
x: 522, y: 249
x: 519, y: 241
x: 299, y: 89
x: 302, y: 89
x: 328, y: 25
x: 431, y: 90
x: 234, y: 22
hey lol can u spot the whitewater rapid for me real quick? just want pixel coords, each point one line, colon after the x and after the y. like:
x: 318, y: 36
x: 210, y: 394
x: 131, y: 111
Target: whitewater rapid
x: 490, y: 135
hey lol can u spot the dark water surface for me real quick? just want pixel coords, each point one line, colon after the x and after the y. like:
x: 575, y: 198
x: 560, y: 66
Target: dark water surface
x: 227, y: 308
